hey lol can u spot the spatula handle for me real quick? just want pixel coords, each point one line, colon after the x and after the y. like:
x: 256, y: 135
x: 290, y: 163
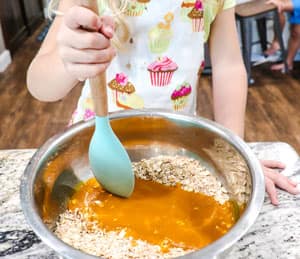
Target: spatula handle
x: 90, y: 4
x: 99, y: 94
x: 98, y: 83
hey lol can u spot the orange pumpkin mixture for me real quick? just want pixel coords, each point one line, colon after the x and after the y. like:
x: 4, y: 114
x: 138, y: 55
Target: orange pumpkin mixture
x: 162, y: 215
x: 178, y: 206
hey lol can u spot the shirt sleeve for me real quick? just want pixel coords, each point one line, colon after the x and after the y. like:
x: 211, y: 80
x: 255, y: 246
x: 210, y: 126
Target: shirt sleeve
x: 228, y: 4
x: 296, y: 5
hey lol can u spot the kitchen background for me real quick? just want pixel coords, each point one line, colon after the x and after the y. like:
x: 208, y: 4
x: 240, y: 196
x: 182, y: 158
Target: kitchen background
x: 273, y: 100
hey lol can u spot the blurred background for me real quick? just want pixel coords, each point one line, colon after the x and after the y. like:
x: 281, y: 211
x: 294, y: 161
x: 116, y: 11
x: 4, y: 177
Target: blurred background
x: 273, y: 99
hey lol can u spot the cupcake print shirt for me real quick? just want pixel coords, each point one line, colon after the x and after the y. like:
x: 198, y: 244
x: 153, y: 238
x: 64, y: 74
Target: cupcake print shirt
x: 159, y: 65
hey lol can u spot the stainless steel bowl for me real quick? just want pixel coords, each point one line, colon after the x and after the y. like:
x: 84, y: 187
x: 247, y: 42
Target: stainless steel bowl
x: 145, y: 134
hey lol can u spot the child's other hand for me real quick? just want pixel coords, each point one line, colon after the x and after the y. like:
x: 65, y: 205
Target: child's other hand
x: 273, y: 179
x: 84, y: 42
x: 282, y: 5
x: 277, y: 3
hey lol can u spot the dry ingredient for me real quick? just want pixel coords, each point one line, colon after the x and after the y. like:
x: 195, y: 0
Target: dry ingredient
x: 84, y: 225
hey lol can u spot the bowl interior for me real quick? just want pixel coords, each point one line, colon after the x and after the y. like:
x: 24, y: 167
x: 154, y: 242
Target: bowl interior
x: 63, y: 161
x: 143, y: 137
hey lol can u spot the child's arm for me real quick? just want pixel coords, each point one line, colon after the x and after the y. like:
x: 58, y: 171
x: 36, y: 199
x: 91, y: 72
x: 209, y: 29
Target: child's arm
x: 230, y: 92
x: 70, y: 53
x: 229, y: 74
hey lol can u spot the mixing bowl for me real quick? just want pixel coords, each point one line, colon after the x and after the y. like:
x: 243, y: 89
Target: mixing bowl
x: 144, y: 133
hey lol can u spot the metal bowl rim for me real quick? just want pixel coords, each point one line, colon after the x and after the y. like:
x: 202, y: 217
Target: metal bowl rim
x: 210, y: 251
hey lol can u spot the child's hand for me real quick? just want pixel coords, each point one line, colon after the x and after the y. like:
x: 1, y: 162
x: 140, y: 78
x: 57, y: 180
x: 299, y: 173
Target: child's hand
x: 277, y: 3
x: 273, y: 179
x: 84, y: 42
x: 282, y: 5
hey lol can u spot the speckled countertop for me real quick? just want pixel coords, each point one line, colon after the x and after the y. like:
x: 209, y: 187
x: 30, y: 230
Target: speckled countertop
x: 276, y: 233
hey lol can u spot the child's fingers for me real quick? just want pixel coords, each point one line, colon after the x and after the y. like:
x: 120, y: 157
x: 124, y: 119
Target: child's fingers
x: 88, y: 40
x: 272, y: 164
x: 80, y: 17
x: 88, y: 56
x: 108, y: 26
x: 274, y: 2
x: 282, y: 181
x: 271, y: 190
x: 278, y: 4
x: 80, y: 39
x: 292, y: 182
x: 83, y: 71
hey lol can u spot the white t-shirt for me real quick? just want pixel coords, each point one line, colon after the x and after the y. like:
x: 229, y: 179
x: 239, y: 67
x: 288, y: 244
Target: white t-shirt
x: 159, y: 65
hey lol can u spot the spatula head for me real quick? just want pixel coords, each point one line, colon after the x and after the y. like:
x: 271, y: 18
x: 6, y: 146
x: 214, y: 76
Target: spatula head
x: 109, y: 160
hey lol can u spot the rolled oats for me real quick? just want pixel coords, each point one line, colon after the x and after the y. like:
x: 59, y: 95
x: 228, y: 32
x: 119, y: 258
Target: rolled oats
x: 73, y: 229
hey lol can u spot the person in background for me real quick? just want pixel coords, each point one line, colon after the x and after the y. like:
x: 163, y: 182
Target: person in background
x: 293, y: 8
x: 160, y: 48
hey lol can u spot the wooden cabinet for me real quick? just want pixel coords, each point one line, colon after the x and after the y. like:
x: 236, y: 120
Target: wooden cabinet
x: 13, y: 23
x: 33, y: 13
x: 19, y: 18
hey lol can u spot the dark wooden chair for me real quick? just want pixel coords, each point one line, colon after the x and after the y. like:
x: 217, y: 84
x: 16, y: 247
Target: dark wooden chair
x: 257, y: 11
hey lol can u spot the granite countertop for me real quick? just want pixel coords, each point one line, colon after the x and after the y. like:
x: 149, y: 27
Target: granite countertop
x: 275, y: 234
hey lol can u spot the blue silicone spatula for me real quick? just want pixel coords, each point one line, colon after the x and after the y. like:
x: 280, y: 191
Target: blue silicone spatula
x: 109, y: 160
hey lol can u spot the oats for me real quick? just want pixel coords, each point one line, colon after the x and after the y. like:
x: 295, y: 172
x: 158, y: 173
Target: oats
x: 77, y: 230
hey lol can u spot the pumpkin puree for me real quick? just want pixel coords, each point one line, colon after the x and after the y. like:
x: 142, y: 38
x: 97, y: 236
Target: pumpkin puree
x: 159, y: 214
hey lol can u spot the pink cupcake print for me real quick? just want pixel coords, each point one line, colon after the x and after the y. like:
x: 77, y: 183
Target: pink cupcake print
x: 180, y: 96
x: 197, y: 16
x: 161, y: 71
x: 202, y: 66
x: 186, y: 7
x: 88, y: 114
x: 124, y: 93
x: 136, y: 7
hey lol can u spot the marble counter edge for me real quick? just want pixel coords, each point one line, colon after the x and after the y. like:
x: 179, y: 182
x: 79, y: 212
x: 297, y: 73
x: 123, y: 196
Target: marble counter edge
x: 24, y: 244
